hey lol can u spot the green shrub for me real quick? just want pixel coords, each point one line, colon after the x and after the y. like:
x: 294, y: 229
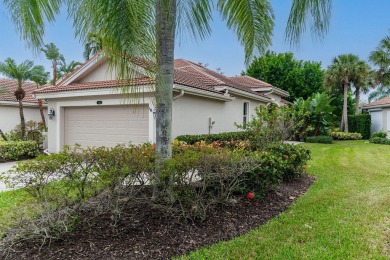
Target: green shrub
x: 33, y: 132
x: 323, y: 139
x: 345, y: 136
x: 381, y: 134
x: 209, y: 138
x: 379, y: 140
x: 360, y: 124
x: 15, y: 150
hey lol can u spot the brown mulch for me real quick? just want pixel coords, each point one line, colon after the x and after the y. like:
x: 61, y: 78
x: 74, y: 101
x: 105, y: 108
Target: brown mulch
x: 158, y: 237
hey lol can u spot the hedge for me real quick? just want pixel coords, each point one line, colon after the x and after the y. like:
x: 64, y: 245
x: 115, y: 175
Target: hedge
x: 15, y: 150
x: 209, y: 138
x: 324, y: 139
x: 346, y: 136
x: 360, y: 124
x: 381, y: 134
x: 379, y: 140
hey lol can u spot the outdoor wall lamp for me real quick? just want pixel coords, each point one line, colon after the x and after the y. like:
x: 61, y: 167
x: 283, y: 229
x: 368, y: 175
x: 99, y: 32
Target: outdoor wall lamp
x: 51, y: 113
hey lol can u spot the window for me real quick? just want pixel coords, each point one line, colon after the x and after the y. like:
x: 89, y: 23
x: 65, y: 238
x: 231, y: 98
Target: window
x: 245, y: 113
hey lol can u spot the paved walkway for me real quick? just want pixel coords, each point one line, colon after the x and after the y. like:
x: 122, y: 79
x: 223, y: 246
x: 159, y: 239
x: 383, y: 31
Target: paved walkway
x: 3, y: 168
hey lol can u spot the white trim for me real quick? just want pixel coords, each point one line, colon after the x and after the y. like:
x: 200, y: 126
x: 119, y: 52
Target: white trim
x: 376, y: 107
x: 271, y: 90
x: 203, y: 93
x: 25, y: 104
x: 249, y: 95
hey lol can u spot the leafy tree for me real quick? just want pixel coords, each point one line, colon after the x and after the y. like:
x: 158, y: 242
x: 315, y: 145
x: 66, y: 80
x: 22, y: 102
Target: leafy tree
x: 299, y: 78
x: 20, y: 72
x: 345, y: 71
x: 53, y: 54
x: 380, y: 92
x: 40, y: 76
x: 381, y: 58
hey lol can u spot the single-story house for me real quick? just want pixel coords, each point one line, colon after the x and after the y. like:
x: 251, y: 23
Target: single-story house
x: 380, y: 115
x: 89, y: 107
x: 9, y: 106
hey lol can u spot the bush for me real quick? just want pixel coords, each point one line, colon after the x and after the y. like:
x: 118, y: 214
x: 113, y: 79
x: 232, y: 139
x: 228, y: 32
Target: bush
x: 381, y: 134
x: 345, y: 136
x: 360, y: 124
x: 33, y: 132
x: 209, y: 138
x: 323, y: 139
x: 15, y: 150
x: 379, y: 140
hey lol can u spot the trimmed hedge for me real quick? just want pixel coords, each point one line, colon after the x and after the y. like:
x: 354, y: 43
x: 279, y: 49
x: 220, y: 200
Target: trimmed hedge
x: 209, y: 138
x: 380, y: 134
x: 15, y: 150
x: 323, y: 139
x: 360, y: 124
x: 346, y: 136
x: 379, y: 140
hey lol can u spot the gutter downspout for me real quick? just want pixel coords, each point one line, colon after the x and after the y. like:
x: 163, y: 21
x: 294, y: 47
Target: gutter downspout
x: 180, y: 95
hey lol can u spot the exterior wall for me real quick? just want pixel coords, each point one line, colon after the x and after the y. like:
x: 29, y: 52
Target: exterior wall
x: 386, y: 121
x: 277, y: 99
x: 191, y: 114
x: 56, y: 124
x: 102, y: 73
x: 9, y: 116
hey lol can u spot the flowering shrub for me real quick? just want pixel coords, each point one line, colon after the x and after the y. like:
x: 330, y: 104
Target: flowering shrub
x: 15, y: 150
x: 346, y: 136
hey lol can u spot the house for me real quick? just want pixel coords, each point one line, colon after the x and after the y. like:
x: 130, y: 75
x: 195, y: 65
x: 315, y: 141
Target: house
x: 380, y: 115
x: 9, y: 106
x: 89, y: 107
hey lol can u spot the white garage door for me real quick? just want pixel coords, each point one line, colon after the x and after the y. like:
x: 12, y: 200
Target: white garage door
x: 106, y: 125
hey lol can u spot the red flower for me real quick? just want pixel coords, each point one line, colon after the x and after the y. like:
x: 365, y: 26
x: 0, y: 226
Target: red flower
x: 250, y: 195
x: 285, y: 156
x: 305, y: 167
x: 294, y: 155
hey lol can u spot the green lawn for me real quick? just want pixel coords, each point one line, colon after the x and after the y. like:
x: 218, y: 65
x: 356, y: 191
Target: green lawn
x: 344, y: 215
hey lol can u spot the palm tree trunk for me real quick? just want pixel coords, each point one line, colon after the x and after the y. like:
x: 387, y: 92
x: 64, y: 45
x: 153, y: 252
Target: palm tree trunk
x: 345, y: 106
x: 22, y: 120
x: 165, y: 28
x: 54, y: 72
x: 42, y: 113
x: 357, y: 99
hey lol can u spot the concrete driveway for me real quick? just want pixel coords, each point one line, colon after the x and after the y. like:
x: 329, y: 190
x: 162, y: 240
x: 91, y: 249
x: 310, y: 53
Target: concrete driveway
x: 3, y: 168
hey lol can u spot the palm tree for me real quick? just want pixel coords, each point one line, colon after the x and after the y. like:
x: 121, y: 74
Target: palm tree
x: 341, y: 73
x: 21, y: 73
x: 148, y: 29
x: 40, y: 76
x: 381, y: 58
x: 362, y: 81
x: 379, y: 93
x: 53, y: 54
x: 94, y: 45
x: 65, y: 69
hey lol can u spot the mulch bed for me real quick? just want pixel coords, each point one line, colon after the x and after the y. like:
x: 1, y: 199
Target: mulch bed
x: 158, y: 237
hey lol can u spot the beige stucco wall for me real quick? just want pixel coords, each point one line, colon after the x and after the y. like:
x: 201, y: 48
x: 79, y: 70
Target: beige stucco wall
x: 385, y: 119
x: 191, y: 114
x: 9, y: 116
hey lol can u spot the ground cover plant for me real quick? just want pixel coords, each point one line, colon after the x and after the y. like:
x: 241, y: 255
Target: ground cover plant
x: 323, y: 139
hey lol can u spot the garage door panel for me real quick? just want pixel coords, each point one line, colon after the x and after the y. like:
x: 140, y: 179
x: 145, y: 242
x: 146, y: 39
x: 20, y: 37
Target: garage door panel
x: 106, y: 126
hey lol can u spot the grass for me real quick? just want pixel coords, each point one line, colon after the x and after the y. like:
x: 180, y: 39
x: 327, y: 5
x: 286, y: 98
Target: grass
x: 344, y: 215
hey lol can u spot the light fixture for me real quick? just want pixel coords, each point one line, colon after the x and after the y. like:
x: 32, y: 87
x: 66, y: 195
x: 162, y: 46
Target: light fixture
x: 51, y: 113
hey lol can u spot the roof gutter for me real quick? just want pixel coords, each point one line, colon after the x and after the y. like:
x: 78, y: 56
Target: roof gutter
x: 203, y: 93
x: 248, y: 95
x: 180, y: 95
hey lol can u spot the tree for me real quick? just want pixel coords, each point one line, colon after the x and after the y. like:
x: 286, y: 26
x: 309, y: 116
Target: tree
x: 344, y: 71
x: 300, y: 78
x: 21, y: 73
x: 381, y: 58
x: 362, y: 81
x: 53, y: 54
x: 148, y: 28
x: 40, y: 76
x: 379, y: 93
x: 94, y: 45
x: 65, y: 69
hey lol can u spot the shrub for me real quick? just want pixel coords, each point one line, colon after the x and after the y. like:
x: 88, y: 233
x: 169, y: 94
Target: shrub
x: 360, y: 124
x: 381, y: 134
x: 345, y: 136
x: 323, y: 139
x: 33, y: 132
x: 379, y: 140
x: 15, y: 150
x: 209, y: 138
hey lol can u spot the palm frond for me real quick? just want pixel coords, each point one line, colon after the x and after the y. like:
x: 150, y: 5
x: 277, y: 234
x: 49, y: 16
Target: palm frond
x: 253, y: 22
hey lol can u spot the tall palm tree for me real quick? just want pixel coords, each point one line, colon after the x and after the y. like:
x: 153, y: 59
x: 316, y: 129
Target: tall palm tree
x: 381, y: 58
x: 53, y: 54
x: 148, y: 29
x: 40, y: 76
x: 362, y: 80
x: 65, y: 68
x: 94, y: 45
x: 341, y: 73
x: 21, y: 73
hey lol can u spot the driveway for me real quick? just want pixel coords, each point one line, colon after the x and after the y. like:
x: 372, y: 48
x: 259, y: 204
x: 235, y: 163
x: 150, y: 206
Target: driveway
x: 3, y: 168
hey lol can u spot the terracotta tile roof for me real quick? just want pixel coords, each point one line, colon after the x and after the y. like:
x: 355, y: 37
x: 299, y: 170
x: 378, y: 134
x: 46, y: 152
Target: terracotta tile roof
x: 96, y: 85
x: 11, y: 85
x: 378, y: 103
x: 250, y: 82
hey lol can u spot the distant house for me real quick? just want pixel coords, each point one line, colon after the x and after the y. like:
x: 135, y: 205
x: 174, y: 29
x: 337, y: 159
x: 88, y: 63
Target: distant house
x: 380, y: 115
x: 91, y: 109
x: 9, y: 106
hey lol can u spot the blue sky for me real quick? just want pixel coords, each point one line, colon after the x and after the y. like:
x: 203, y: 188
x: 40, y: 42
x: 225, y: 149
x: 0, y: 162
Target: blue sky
x: 356, y: 27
